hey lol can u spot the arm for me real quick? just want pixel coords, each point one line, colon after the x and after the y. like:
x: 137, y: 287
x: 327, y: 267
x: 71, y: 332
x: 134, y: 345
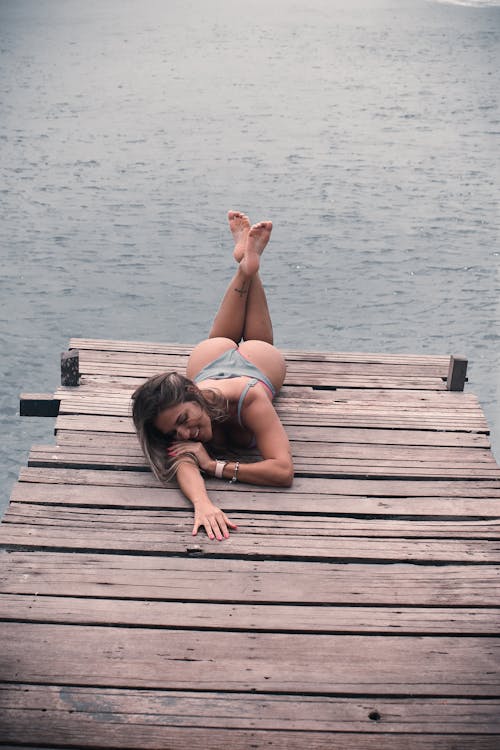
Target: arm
x: 206, y: 513
x: 275, y: 469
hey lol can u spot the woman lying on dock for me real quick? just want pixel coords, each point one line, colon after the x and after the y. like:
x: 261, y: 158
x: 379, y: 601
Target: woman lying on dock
x: 226, y: 398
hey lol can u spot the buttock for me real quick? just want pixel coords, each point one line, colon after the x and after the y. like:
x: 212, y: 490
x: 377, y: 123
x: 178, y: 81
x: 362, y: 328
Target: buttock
x: 262, y: 355
x: 206, y: 352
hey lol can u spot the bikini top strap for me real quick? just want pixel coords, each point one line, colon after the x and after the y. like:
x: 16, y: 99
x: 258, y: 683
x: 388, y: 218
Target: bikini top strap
x: 249, y: 385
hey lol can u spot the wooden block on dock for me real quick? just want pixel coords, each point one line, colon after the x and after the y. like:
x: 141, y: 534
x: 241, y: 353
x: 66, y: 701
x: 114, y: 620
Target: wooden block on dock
x: 38, y: 405
x: 457, y: 373
x: 70, y: 367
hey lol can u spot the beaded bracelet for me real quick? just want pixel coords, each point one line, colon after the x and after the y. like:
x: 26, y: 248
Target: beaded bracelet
x: 234, y: 478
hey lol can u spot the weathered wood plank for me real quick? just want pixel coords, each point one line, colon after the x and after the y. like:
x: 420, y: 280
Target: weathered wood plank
x: 245, y: 581
x: 300, y: 450
x: 95, y: 458
x: 310, y: 485
x: 122, y: 388
x: 114, y: 426
x: 111, y: 345
x: 251, y: 617
x: 329, y: 414
x: 171, y: 659
x: 128, y: 445
x: 177, y: 540
x: 170, y: 498
x: 324, y: 381
x: 256, y: 739
x: 157, y: 523
x: 153, y: 711
x: 297, y: 369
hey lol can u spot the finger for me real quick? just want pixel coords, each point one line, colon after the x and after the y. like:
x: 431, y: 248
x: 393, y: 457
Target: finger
x: 222, y: 525
x: 229, y: 523
x: 195, y: 528
x: 208, y: 529
x: 215, y: 528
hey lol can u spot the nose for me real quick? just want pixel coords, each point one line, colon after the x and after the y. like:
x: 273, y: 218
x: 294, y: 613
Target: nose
x: 182, y: 433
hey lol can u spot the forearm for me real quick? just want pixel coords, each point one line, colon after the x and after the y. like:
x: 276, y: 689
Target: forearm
x: 206, y: 514
x: 271, y: 471
x: 191, y: 482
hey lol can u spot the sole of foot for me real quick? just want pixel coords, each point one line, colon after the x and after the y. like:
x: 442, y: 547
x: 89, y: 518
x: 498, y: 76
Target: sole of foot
x: 239, y: 224
x: 257, y: 239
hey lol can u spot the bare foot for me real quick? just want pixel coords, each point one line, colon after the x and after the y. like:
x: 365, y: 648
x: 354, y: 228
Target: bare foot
x: 257, y: 239
x: 239, y: 224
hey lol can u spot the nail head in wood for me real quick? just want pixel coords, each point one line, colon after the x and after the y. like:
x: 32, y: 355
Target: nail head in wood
x: 70, y: 368
x: 457, y: 373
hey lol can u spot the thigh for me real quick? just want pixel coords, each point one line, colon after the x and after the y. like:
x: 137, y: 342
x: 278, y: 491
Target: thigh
x: 205, y: 352
x: 267, y: 358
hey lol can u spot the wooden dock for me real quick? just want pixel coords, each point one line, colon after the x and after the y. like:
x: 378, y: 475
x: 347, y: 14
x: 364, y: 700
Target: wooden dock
x: 357, y: 610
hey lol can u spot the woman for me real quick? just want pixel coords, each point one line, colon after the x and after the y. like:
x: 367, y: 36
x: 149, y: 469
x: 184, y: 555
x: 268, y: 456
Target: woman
x: 226, y: 397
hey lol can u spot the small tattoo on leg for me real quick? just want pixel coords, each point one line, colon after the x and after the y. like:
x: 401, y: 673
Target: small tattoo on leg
x: 242, y: 291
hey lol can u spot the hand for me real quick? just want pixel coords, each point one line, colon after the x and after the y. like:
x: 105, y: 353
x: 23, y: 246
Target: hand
x: 213, y: 519
x: 195, y: 448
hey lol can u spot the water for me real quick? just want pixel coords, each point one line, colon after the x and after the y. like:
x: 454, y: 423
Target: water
x: 368, y: 131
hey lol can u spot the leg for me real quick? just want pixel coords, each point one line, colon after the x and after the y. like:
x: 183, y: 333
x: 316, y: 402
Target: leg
x: 257, y: 320
x: 243, y: 311
x: 230, y: 319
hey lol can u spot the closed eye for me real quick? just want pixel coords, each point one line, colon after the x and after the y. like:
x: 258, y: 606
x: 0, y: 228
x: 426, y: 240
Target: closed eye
x: 172, y: 435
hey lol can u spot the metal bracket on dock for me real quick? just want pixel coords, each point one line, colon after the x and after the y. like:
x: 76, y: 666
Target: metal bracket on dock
x: 457, y: 372
x: 70, y: 367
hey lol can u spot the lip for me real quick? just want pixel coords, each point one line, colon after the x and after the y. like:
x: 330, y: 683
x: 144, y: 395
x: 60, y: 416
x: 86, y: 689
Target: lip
x: 196, y: 434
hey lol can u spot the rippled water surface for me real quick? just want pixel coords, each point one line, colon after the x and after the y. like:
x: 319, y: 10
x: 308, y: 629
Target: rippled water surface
x: 369, y: 131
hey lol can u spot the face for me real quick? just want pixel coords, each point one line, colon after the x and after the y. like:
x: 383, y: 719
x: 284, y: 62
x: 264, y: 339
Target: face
x: 187, y: 421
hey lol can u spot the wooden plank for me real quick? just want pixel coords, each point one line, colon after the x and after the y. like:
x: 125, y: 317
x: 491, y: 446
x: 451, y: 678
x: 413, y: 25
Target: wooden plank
x: 310, y: 485
x: 77, y: 402
x: 152, y: 521
x: 122, y: 388
x: 295, y: 368
x: 424, y: 438
x: 156, y: 523
x: 176, y: 539
x: 298, y: 363
x: 391, y: 419
x: 244, y: 581
x: 47, y: 456
x: 128, y: 444
x: 151, y: 711
x: 251, y: 617
x: 180, y: 739
x: 326, y: 381
x: 308, y: 664
x: 256, y: 739
x: 110, y: 345
x: 170, y: 498
x: 319, y: 453
x: 123, y: 425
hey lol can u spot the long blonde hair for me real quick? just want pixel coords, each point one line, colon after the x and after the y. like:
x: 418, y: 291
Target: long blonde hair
x: 161, y: 392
